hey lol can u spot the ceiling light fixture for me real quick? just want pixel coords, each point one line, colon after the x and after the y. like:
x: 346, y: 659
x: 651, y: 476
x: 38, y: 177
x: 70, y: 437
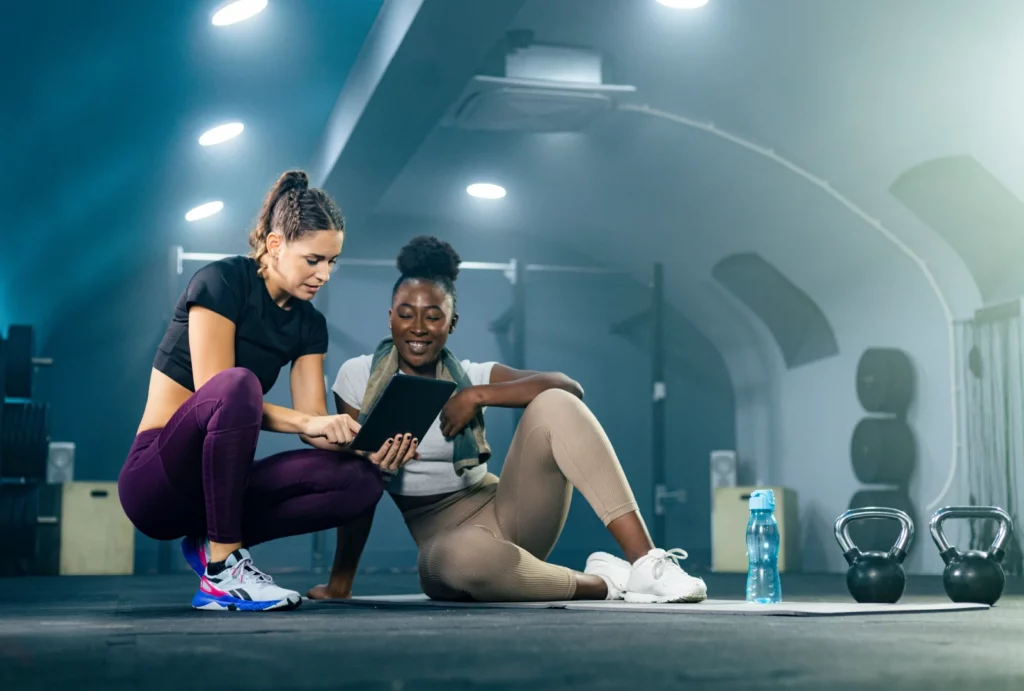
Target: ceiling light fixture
x: 221, y: 133
x: 485, y: 190
x: 204, y: 211
x: 683, y: 4
x: 238, y: 11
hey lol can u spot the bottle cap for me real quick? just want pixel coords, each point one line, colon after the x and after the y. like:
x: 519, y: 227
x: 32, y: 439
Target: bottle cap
x: 762, y: 499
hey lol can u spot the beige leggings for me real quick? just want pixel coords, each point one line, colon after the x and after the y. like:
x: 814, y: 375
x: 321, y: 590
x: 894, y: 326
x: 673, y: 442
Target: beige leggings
x: 489, y: 542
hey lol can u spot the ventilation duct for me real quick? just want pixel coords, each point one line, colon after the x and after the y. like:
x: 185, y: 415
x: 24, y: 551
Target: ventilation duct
x: 544, y: 88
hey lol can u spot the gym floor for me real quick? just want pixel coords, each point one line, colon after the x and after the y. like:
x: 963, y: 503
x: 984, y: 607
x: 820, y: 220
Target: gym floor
x: 139, y: 633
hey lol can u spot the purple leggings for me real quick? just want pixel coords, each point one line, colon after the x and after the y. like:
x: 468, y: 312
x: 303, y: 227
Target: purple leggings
x: 196, y: 475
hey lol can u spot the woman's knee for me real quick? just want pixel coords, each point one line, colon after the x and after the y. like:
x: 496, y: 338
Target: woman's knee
x: 552, y: 405
x: 554, y: 400
x: 364, y: 483
x: 469, y: 560
x: 237, y: 382
x: 239, y: 390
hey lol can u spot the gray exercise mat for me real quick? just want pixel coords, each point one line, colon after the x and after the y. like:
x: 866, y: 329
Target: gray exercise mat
x: 784, y: 609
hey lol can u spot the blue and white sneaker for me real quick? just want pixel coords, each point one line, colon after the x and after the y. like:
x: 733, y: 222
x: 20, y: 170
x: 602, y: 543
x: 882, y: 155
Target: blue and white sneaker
x: 196, y: 551
x: 236, y: 584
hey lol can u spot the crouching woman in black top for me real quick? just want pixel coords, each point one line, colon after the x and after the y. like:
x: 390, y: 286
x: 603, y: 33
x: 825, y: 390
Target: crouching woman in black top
x: 190, y: 472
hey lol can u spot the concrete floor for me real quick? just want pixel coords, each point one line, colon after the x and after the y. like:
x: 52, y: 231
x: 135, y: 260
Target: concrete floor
x: 139, y: 633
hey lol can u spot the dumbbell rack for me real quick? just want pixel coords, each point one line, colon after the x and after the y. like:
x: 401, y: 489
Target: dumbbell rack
x: 29, y: 507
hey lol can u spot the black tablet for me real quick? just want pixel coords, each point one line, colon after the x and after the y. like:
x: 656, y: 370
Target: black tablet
x: 408, y: 404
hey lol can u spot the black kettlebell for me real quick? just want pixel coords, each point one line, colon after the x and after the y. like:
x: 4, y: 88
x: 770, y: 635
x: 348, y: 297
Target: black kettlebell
x: 973, y: 576
x: 875, y: 576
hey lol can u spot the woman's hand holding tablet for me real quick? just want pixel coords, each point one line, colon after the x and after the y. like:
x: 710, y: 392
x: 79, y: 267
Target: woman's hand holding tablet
x: 395, y: 453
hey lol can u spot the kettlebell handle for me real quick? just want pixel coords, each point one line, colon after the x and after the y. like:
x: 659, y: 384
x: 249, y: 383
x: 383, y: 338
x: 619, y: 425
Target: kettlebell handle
x: 996, y: 551
x: 898, y: 551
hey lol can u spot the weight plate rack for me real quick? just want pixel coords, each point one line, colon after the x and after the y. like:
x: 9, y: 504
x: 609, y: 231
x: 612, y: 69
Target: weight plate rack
x: 883, y: 451
x: 29, y: 507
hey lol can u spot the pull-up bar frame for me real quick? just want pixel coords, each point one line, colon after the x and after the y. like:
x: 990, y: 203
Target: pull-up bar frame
x: 508, y: 268
x: 513, y: 323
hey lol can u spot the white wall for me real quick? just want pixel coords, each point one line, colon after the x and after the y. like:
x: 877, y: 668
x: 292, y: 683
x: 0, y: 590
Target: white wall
x: 818, y: 409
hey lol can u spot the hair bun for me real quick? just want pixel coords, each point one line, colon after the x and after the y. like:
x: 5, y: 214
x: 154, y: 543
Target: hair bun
x: 428, y: 257
x: 293, y: 180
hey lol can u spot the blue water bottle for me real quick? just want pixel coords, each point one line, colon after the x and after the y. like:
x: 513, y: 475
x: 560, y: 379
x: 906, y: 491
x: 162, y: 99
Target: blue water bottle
x: 763, y: 583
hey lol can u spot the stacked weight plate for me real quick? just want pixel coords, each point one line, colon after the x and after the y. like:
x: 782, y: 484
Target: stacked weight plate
x: 883, y: 449
x: 25, y: 440
x: 30, y: 529
x: 24, y: 425
x: 28, y: 522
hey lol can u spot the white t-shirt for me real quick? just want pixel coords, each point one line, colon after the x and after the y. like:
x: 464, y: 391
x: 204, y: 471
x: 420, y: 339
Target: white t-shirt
x: 434, y: 472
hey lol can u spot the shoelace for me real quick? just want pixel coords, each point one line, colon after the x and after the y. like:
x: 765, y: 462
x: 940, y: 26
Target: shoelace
x: 670, y: 558
x: 245, y: 570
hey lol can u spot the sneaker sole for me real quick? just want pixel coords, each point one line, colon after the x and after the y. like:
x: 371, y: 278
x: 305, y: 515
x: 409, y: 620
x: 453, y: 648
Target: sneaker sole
x: 645, y: 599
x: 208, y: 603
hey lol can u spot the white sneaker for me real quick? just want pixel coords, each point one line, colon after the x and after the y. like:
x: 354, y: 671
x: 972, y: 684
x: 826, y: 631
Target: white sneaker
x: 239, y: 585
x: 657, y: 578
x: 614, y: 572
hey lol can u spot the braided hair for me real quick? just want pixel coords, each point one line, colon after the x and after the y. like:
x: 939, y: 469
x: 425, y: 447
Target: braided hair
x: 292, y: 209
x: 429, y: 259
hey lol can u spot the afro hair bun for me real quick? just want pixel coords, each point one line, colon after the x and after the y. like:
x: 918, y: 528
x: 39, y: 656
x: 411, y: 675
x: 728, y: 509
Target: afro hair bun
x: 427, y: 257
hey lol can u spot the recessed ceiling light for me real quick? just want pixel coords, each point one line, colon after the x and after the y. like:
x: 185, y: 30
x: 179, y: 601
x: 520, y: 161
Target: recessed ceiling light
x: 238, y: 11
x: 485, y: 190
x: 221, y: 133
x: 683, y: 4
x: 204, y: 211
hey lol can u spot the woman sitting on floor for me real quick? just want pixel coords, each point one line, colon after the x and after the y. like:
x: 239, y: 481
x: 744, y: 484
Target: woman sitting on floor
x: 481, y: 538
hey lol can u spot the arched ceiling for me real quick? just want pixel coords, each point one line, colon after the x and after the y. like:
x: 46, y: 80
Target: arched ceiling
x: 857, y: 94
x: 109, y: 98
x: 634, y: 191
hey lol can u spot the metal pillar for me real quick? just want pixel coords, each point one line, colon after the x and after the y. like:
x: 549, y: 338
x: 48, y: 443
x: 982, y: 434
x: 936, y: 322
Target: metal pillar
x: 651, y: 323
x: 658, y: 394
x: 519, y: 315
x: 518, y: 278
x: 511, y: 324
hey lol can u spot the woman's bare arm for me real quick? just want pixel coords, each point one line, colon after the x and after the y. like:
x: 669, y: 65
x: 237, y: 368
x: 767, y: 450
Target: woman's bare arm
x: 514, y: 388
x: 508, y: 388
x: 211, y: 340
x: 309, y: 396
